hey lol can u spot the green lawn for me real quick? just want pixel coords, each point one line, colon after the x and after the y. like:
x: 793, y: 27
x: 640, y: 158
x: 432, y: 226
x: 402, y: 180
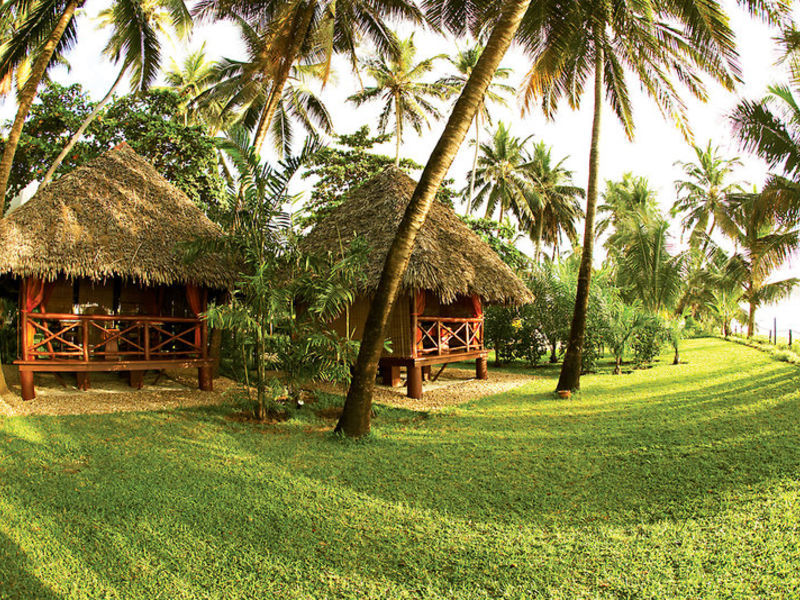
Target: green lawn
x: 672, y: 482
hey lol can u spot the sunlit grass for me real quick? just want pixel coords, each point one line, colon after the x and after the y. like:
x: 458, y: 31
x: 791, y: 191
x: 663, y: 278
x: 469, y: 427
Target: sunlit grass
x: 670, y: 482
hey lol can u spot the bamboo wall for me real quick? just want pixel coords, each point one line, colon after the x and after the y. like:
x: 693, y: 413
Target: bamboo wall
x: 398, y: 330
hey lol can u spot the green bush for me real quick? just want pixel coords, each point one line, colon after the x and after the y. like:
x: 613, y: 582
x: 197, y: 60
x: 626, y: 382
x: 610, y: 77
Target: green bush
x: 648, y: 340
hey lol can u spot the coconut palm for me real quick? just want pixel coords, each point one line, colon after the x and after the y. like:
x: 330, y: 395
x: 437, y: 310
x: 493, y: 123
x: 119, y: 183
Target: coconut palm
x: 399, y: 86
x: 190, y: 79
x: 464, y: 62
x: 630, y: 197
x: 310, y: 31
x: 572, y: 44
x: 646, y: 271
x: 134, y: 46
x: 47, y: 30
x: 240, y: 94
x: 554, y: 200
x: 702, y: 193
x: 504, y: 169
x: 355, y: 419
x: 764, y: 238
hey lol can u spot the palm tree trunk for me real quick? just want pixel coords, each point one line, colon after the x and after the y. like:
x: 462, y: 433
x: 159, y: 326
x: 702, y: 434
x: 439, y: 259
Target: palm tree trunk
x: 398, y: 130
x: 29, y: 93
x: 570, y: 378
x: 539, y: 233
x: 86, y: 122
x: 355, y: 419
x: 299, y: 35
x: 474, y: 164
x: 489, y: 210
x: 751, y: 320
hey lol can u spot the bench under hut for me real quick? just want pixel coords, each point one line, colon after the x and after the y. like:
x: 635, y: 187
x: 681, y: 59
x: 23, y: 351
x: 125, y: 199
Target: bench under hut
x: 438, y: 317
x: 97, y: 262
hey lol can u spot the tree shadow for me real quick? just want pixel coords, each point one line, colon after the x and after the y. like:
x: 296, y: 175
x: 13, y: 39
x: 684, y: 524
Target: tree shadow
x: 17, y: 580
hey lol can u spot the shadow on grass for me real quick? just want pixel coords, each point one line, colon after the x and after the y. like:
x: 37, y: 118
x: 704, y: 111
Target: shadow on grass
x: 188, y: 494
x: 17, y: 581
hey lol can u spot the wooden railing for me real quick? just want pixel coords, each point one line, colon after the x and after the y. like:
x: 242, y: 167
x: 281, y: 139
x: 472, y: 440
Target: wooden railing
x: 53, y: 336
x: 447, y: 335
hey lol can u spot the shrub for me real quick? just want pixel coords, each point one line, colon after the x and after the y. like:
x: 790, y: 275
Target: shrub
x: 648, y: 340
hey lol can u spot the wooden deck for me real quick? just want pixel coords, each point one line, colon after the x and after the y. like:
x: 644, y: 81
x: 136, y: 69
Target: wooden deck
x: 62, y: 342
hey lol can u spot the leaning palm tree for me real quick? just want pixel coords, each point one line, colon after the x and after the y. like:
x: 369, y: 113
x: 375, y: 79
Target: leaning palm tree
x: 407, y: 99
x: 355, y: 419
x: 309, y: 31
x: 464, y: 62
x: 582, y: 42
x: 134, y: 46
x: 47, y: 29
x: 504, y: 168
x: 702, y: 193
x: 764, y: 238
x: 554, y: 200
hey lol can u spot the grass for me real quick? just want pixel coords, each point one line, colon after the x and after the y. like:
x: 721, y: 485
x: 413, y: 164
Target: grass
x: 672, y: 482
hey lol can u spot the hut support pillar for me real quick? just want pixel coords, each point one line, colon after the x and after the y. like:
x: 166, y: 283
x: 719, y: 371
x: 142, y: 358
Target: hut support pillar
x: 26, y: 380
x: 390, y: 375
x: 205, y: 376
x: 414, y: 382
x: 481, y: 368
x: 136, y: 379
x: 83, y: 381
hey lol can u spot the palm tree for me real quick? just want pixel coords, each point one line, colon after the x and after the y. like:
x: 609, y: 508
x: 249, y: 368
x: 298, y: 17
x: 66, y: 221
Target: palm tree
x: 190, y: 79
x: 135, y: 46
x: 504, y: 170
x: 702, y: 193
x: 310, y: 30
x: 407, y: 100
x: 577, y: 42
x: 241, y: 94
x: 555, y: 200
x: 764, y: 238
x: 464, y: 62
x: 646, y: 271
x: 630, y: 197
x: 47, y: 29
x: 355, y: 419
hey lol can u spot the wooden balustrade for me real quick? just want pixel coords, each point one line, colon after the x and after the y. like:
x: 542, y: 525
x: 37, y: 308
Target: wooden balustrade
x: 447, y: 335
x: 86, y: 338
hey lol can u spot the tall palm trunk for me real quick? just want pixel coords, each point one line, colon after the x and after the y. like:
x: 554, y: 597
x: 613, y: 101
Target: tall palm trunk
x: 570, y: 378
x: 29, y: 93
x: 751, y: 320
x: 539, y: 234
x: 355, y: 419
x: 86, y: 122
x: 474, y: 162
x: 489, y: 208
x: 298, y: 37
x: 398, y: 131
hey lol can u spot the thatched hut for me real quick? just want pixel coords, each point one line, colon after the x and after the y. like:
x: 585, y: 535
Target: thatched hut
x: 102, y: 280
x: 452, y: 274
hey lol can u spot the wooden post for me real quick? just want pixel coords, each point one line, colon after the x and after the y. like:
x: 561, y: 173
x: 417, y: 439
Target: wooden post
x: 414, y: 324
x: 390, y: 374
x: 481, y: 368
x: 775, y: 329
x: 26, y: 381
x: 426, y: 373
x: 83, y: 380
x: 414, y: 382
x: 790, y: 338
x: 205, y: 378
x: 85, y: 336
x: 147, y: 340
x: 136, y: 379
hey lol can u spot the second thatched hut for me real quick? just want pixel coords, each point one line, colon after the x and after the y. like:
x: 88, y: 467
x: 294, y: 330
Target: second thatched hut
x: 438, y: 317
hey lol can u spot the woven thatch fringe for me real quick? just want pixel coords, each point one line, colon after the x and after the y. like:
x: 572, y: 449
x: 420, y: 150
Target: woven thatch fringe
x: 449, y: 259
x: 115, y: 216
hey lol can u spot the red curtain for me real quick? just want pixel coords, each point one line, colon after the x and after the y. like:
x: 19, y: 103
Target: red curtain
x: 196, y: 299
x: 37, y: 293
x: 419, y: 308
x: 477, y: 306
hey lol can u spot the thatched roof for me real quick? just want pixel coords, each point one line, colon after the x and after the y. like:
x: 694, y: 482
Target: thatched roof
x: 114, y: 216
x: 449, y: 259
